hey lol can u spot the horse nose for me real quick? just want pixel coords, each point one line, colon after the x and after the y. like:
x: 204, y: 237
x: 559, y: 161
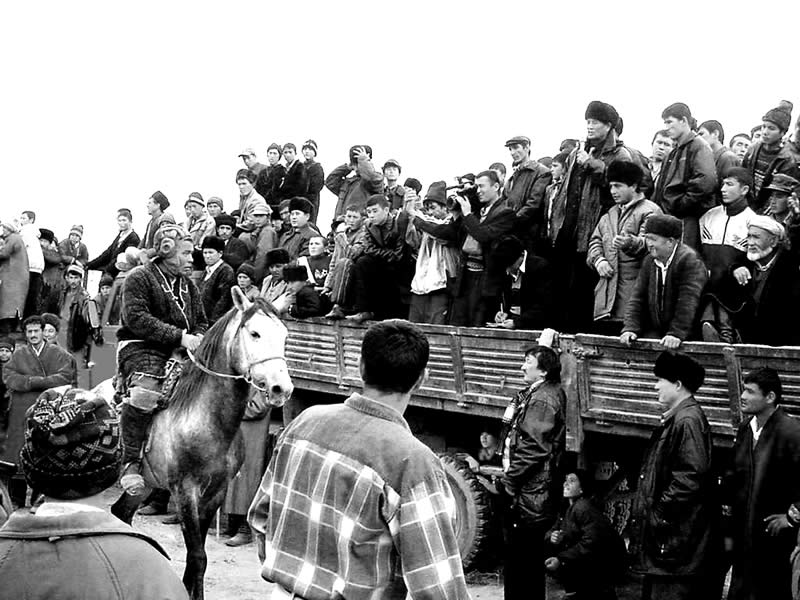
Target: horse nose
x: 276, y: 389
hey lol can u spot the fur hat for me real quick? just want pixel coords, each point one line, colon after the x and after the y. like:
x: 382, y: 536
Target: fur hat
x: 77, y: 229
x: 674, y: 366
x: 160, y: 199
x: 414, y: 184
x: 353, y: 149
x: 52, y: 319
x: 781, y: 115
x: 225, y: 219
x: 106, y: 280
x: 602, y: 111
x: 72, y: 444
x: 437, y: 192
x: 47, y: 235
x: 216, y: 200
x: 197, y: 198
x: 214, y: 243
x: 664, y: 225
x: 247, y: 269
x: 295, y: 273
x: 624, y: 171
x: 301, y: 204
x: 310, y: 144
x: 277, y: 256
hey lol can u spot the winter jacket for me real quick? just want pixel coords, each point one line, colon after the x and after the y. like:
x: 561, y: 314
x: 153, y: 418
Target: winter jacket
x: 688, y: 179
x: 268, y: 182
x: 53, y: 274
x: 14, y: 275
x: 677, y: 315
x: 147, y: 241
x: 259, y: 242
x: 524, y: 193
x: 611, y: 294
x: 315, y: 181
x: 673, y: 529
x: 295, y: 241
x: 353, y: 190
x: 246, y: 206
x: 83, y: 312
x: 396, y: 196
x: 73, y: 253
x: 200, y: 228
x: 784, y: 162
x: 294, y: 182
x: 772, y: 319
x: 308, y: 302
x: 584, y: 195
x: 27, y: 375
x: 89, y: 555
x: 535, y: 443
x: 236, y: 253
x: 108, y: 259
x: 764, y: 481
x: 215, y: 291
x: 387, y: 241
x: 723, y: 236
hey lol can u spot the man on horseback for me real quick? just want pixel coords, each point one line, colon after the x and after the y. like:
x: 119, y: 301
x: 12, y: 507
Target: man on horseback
x: 162, y: 314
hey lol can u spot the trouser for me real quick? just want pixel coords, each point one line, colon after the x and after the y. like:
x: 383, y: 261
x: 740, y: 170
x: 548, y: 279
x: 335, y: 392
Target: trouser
x: 523, y: 564
x: 470, y: 307
x: 144, y: 393
x: 429, y: 308
x: 714, y: 313
x: 33, y: 301
x: 377, y: 287
x: 655, y: 587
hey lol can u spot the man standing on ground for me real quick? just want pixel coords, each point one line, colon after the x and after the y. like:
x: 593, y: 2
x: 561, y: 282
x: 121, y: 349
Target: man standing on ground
x: 351, y: 479
x: 764, y: 490
x: 673, y: 511
x: 30, y: 237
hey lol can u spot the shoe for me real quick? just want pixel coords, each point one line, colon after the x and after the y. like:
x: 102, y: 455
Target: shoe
x: 132, y: 482
x: 336, y: 313
x: 360, y: 317
x: 710, y: 333
x: 240, y: 539
x: 172, y: 519
x: 153, y: 509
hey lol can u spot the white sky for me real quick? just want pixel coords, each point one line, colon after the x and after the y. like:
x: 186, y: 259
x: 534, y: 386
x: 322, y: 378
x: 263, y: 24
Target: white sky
x: 104, y: 103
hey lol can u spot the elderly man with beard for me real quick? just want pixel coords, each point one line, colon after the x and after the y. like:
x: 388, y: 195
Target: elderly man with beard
x: 576, y: 210
x: 666, y: 297
x: 772, y: 283
x: 524, y: 191
x: 162, y: 313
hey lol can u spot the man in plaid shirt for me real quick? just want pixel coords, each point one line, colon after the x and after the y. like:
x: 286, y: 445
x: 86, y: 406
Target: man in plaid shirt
x: 352, y: 505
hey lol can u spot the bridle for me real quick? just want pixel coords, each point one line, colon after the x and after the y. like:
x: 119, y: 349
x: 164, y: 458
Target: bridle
x: 248, y: 374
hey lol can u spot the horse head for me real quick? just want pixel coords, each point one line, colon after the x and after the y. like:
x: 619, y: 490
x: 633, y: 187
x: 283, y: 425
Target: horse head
x: 258, y: 351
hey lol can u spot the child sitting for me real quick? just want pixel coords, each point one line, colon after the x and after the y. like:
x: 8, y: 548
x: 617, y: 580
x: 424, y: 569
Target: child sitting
x: 245, y: 279
x: 317, y: 262
x: 303, y: 299
x: 274, y: 286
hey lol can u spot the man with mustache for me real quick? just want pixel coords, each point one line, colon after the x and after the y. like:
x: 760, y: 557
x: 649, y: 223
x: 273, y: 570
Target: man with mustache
x: 773, y: 287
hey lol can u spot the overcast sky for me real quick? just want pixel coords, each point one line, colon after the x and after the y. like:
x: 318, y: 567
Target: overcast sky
x: 105, y: 103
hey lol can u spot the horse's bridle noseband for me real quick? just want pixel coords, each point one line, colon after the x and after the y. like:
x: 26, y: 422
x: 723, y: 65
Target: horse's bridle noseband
x: 248, y: 378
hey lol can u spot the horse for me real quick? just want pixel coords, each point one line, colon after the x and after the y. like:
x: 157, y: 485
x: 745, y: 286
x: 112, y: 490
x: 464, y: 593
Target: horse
x: 194, y: 447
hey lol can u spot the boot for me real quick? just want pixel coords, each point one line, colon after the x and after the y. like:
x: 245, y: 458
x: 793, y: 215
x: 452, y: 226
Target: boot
x: 243, y: 537
x: 134, y: 423
x: 234, y: 524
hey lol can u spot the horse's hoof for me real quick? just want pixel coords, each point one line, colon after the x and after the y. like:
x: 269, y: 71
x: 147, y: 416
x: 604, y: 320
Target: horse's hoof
x: 133, y: 484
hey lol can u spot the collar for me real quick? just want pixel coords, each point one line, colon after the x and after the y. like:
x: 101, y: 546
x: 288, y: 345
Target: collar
x: 41, y: 348
x: 769, y: 265
x: 735, y: 208
x: 669, y: 414
x: 665, y: 266
x: 210, y: 270
x: 373, y: 408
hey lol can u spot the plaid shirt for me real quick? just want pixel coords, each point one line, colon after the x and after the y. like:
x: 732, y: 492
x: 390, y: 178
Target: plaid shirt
x: 353, y: 506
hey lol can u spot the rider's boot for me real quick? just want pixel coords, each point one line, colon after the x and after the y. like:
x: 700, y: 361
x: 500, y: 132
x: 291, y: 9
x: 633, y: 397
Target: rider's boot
x: 134, y: 424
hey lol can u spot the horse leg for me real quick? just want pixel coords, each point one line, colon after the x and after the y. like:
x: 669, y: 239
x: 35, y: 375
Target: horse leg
x: 125, y: 507
x: 194, y: 536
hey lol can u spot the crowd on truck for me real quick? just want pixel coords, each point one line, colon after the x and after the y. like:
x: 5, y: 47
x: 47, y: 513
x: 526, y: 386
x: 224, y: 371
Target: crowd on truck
x: 697, y: 241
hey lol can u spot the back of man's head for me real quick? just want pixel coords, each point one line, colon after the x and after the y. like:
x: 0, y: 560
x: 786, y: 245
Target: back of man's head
x: 394, y: 354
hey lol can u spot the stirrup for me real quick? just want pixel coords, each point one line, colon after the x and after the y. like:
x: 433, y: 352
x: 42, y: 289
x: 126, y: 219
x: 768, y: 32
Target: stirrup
x: 133, y: 483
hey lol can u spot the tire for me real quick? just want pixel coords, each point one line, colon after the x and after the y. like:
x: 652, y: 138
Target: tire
x: 473, y: 511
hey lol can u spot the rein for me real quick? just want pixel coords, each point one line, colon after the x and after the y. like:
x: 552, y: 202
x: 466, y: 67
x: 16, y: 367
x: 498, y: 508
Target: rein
x: 246, y: 378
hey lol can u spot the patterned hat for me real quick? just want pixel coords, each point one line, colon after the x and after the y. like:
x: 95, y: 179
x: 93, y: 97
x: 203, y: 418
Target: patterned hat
x: 77, y: 230
x: 72, y: 447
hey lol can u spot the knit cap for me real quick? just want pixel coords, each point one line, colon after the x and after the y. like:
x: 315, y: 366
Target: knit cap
x: 781, y: 115
x: 72, y: 447
x: 77, y: 229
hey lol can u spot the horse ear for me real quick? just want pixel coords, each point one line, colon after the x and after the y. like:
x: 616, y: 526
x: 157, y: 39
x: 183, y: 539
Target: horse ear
x: 240, y: 301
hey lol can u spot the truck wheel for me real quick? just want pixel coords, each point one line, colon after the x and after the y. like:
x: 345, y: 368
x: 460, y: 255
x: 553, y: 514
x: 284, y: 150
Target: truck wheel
x: 473, y: 510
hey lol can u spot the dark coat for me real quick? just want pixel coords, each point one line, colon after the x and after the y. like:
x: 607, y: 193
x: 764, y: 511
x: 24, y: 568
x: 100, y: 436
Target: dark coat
x: 386, y: 241
x: 236, y: 253
x: 82, y: 311
x: 772, y: 320
x: 590, y: 549
x: 395, y: 196
x: 294, y: 182
x: 295, y: 241
x: 537, y: 298
x: 688, y: 179
x: 764, y: 481
x: 268, y: 182
x: 14, y: 277
x: 686, y: 278
x: 308, y: 302
x: 27, y: 375
x: 524, y: 194
x: 536, y: 436
x: 672, y: 531
x: 354, y: 191
x: 216, y: 292
x: 498, y: 223
x: 784, y: 163
x: 315, y: 181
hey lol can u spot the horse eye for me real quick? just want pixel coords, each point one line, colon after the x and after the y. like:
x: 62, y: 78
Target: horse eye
x: 255, y: 335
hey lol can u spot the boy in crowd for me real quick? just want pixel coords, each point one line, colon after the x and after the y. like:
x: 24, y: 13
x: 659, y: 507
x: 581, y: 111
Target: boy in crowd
x: 317, y: 262
x: 739, y: 145
x: 782, y: 203
x: 249, y: 198
x: 294, y: 182
x: 218, y: 279
x: 6, y: 349
x: 395, y: 193
x: 305, y: 300
x: 103, y: 293
x: 214, y: 206
x: 246, y: 279
x: 236, y: 251
x: 315, y: 176
x: 724, y: 158
x: 274, y: 286
x: 261, y: 239
x: 723, y: 233
x: 617, y: 246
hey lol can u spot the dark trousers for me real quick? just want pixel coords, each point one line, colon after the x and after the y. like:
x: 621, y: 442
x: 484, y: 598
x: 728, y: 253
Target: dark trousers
x: 656, y: 587
x: 575, y: 283
x: 523, y: 564
x: 470, y: 307
x: 429, y: 308
x: 377, y: 287
x: 33, y: 301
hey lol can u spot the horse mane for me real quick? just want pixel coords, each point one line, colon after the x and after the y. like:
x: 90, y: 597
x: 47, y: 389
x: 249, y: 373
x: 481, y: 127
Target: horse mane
x: 191, y: 382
